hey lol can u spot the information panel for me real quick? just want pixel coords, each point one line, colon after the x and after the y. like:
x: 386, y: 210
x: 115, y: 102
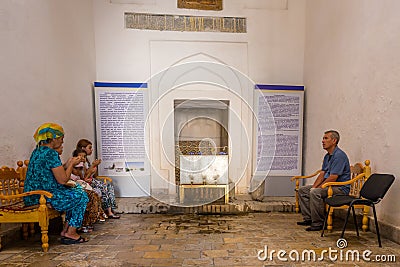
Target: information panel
x: 279, y: 112
x: 120, y: 121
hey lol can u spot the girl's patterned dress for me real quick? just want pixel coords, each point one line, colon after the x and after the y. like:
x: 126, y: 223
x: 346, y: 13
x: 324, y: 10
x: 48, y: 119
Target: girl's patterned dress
x: 106, y: 191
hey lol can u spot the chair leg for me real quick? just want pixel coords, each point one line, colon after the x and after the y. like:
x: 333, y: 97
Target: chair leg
x: 355, y: 220
x: 376, y: 226
x: 329, y: 221
x: 345, y: 222
x: 32, y: 229
x: 25, y: 232
x: 365, y: 218
x: 326, y: 218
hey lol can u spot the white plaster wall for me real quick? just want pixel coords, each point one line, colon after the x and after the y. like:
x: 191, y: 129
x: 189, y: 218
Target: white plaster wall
x: 274, y: 54
x: 352, y: 77
x: 47, y: 68
x: 275, y: 38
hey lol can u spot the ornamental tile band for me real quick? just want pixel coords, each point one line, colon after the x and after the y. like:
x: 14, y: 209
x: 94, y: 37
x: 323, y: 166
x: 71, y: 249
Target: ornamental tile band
x: 160, y: 22
x: 201, y: 4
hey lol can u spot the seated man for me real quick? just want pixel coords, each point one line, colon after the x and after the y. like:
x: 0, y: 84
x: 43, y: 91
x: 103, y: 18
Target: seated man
x: 335, y: 167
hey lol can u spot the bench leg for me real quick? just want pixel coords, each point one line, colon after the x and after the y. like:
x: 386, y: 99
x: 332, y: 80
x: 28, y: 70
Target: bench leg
x: 296, y: 207
x: 25, y: 233
x: 44, y: 229
x: 45, y: 241
x: 44, y: 223
x: 365, y: 218
x: 31, y: 229
x: 296, y: 194
x: 329, y: 221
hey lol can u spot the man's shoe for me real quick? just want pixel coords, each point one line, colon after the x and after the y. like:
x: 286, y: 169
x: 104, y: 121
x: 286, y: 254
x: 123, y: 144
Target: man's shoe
x: 314, y: 228
x: 304, y: 223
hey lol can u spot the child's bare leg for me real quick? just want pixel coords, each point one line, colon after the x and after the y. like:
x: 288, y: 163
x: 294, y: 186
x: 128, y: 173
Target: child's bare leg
x: 65, y: 228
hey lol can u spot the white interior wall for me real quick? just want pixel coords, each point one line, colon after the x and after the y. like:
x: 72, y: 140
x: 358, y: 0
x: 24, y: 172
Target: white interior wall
x: 270, y: 52
x: 275, y: 38
x: 352, y: 79
x: 47, y: 67
x: 350, y: 68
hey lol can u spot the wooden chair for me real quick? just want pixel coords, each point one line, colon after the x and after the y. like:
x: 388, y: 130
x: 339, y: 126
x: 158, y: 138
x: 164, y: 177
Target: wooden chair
x: 359, y: 174
x: 371, y: 193
x: 105, y: 179
x: 13, y: 210
x: 297, y: 179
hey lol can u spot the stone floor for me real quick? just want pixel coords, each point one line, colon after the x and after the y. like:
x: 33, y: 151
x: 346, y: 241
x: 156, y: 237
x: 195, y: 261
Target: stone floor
x: 166, y: 239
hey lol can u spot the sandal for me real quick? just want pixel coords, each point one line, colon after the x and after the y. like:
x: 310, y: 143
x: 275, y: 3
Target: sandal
x: 85, y: 229
x: 118, y: 211
x: 71, y: 241
x: 113, y: 216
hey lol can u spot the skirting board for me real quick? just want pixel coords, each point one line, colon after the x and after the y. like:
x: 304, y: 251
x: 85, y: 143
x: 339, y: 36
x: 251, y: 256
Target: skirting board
x: 386, y: 230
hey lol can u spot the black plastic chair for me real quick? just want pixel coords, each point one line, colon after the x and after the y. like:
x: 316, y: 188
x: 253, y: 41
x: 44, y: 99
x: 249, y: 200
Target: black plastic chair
x: 372, y: 192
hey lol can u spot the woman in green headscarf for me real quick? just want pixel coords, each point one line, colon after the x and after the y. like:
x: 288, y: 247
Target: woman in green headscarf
x: 46, y: 172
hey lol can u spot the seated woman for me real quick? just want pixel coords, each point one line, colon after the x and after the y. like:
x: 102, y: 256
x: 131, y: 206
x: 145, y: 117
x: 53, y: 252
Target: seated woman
x: 107, y: 190
x: 45, y: 172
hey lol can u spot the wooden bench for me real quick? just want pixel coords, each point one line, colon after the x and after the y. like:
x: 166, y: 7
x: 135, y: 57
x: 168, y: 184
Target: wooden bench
x: 13, y: 210
x: 104, y: 179
x: 359, y: 174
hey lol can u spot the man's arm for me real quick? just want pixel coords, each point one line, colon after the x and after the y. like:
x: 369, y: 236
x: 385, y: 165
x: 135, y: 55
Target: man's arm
x: 331, y: 178
x: 319, y: 181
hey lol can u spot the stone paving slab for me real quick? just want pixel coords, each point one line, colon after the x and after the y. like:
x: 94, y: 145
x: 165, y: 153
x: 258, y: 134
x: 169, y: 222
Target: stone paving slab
x: 239, y: 204
x: 197, y: 240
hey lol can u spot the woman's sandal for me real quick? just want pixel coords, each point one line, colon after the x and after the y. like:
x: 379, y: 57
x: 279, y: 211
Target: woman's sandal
x: 85, y: 229
x: 71, y: 241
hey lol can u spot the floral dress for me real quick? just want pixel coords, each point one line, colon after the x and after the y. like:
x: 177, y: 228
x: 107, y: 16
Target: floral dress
x: 105, y: 191
x: 107, y: 194
x: 93, y: 209
x: 72, y: 200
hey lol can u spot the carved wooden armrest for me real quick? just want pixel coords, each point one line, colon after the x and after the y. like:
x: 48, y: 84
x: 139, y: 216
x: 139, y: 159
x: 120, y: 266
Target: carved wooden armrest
x: 297, y: 178
x: 351, y: 181
x: 36, y: 192
x: 305, y: 176
x: 105, y: 179
x: 12, y: 199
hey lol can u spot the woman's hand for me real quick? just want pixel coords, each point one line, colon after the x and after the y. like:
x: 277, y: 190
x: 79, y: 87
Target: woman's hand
x: 73, y: 161
x: 90, y: 172
x: 63, y: 175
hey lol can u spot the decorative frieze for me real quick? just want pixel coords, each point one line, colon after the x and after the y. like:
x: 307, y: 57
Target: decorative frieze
x: 184, y: 23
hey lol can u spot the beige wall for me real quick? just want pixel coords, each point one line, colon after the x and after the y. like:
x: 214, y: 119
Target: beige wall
x: 47, y: 66
x: 275, y: 38
x: 352, y: 75
x: 350, y: 62
x: 52, y: 51
x: 271, y: 52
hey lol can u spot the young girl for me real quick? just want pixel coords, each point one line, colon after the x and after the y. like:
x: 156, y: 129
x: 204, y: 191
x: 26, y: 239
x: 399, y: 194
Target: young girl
x: 107, y: 190
x: 93, y: 211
